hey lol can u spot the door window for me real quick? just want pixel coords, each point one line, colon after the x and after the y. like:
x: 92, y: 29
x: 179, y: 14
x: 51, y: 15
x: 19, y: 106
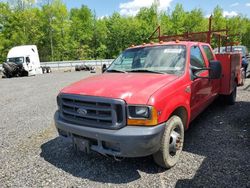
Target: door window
x: 196, y: 58
x: 208, y: 53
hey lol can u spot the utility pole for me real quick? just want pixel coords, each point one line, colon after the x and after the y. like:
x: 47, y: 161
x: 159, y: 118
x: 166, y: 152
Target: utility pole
x: 51, y: 39
x: 157, y: 4
x: 22, y: 6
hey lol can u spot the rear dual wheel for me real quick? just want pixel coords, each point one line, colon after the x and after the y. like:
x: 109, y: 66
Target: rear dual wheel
x: 231, y: 99
x: 171, y: 143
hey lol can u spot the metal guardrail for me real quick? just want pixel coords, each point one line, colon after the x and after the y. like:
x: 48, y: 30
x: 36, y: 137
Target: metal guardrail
x: 72, y: 64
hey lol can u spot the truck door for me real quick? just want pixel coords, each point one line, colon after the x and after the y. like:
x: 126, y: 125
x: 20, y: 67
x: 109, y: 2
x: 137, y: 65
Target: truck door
x: 200, y: 87
x: 28, y: 63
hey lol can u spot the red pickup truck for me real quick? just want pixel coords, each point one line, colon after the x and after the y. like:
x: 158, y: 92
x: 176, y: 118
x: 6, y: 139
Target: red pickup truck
x: 145, y: 100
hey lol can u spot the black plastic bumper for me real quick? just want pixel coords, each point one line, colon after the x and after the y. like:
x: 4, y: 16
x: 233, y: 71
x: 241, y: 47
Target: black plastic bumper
x: 130, y: 141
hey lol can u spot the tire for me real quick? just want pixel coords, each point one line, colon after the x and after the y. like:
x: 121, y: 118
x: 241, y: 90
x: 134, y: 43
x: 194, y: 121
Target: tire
x: 24, y: 73
x: 82, y: 67
x: 44, y: 70
x: 231, y: 99
x: 48, y: 69
x: 5, y: 75
x: 171, y: 143
x: 248, y: 71
x: 245, y: 70
x: 10, y: 69
x: 248, y: 74
x: 243, y: 77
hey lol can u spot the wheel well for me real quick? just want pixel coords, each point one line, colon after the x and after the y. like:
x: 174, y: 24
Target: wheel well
x: 182, y: 113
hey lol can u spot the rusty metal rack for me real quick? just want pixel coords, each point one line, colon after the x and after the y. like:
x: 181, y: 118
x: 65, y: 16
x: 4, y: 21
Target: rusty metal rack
x: 204, y: 36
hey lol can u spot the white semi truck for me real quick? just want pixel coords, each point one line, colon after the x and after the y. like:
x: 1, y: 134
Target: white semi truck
x: 23, y: 61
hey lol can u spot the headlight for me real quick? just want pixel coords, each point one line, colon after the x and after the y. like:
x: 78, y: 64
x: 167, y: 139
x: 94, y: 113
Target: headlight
x: 142, y: 115
x: 138, y: 111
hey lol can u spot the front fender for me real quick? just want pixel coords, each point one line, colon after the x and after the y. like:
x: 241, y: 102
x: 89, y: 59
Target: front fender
x: 172, y: 106
x: 167, y: 104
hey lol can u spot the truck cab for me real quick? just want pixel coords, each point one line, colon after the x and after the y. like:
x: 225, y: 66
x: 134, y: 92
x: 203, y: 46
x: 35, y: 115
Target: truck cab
x: 22, y: 61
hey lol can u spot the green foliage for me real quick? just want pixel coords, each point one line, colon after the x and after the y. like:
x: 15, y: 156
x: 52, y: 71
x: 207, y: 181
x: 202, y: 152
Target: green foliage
x: 219, y: 22
x: 63, y: 34
x: 195, y: 21
x: 178, y: 18
x: 245, y: 37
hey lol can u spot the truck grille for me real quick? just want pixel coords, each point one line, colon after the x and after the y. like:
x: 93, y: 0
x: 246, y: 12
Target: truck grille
x: 92, y: 111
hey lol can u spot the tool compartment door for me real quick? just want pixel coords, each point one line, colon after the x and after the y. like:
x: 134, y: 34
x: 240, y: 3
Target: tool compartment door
x: 231, y: 63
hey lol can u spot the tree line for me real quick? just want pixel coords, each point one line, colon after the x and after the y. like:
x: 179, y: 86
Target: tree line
x: 77, y: 34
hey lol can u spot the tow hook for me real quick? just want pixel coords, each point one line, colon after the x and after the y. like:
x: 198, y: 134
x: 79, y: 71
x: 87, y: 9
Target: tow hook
x: 119, y: 159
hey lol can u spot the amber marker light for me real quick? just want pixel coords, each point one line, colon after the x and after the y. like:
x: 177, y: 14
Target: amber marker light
x: 152, y: 120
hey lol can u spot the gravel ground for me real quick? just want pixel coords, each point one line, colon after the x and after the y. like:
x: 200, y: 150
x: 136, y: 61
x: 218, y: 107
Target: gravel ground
x: 216, y: 151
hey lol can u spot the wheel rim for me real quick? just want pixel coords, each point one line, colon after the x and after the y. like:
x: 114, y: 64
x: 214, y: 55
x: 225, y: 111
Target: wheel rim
x: 175, y: 142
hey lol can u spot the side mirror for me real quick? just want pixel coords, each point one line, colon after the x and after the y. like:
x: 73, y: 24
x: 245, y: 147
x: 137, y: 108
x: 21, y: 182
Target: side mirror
x: 104, y: 68
x: 214, y: 69
x: 27, y: 60
x: 196, y: 70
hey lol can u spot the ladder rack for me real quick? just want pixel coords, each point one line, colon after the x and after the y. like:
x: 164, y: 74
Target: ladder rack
x: 204, y: 36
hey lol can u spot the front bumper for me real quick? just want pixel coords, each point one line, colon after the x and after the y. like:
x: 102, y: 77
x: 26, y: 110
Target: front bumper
x: 130, y: 141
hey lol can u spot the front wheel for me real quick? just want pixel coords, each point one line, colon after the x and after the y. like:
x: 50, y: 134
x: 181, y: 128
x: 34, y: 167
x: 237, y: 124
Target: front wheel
x: 171, y: 143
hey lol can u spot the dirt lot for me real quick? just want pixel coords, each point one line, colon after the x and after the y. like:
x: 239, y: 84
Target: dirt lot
x: 216, y: 151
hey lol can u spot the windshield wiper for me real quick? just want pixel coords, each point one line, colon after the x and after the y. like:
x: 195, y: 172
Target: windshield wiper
x: 115, y: 70
x: 146, y: 70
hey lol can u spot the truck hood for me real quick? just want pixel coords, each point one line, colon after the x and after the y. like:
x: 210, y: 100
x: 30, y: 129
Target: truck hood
x: 134, y: 88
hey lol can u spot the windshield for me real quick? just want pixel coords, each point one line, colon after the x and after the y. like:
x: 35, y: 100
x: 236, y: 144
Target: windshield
x: 169, y: 59
x: 240, y: 49
x: 17, y: 60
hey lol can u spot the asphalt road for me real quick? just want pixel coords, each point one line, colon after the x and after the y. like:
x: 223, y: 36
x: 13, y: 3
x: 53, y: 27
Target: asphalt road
x: 216, y: 151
